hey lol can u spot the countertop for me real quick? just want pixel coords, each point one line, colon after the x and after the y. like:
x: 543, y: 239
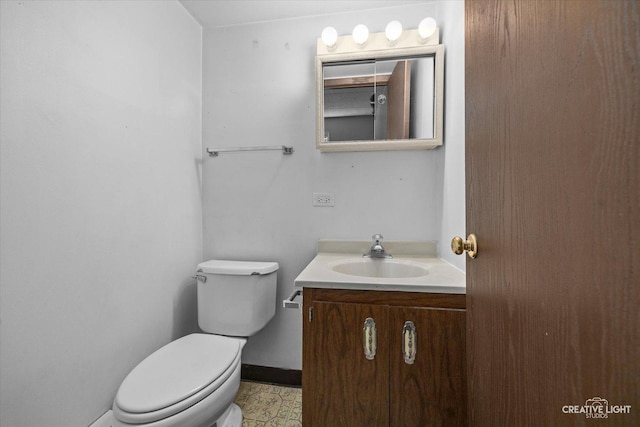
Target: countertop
x: 441, y: 277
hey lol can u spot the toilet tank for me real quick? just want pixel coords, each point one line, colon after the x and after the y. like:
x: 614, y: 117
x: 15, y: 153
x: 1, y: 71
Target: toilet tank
x: 236, y: 298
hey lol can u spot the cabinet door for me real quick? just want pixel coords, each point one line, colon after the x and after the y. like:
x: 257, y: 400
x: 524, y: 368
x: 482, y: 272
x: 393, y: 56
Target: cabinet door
x: 432, y: 390
x: 343, y: 387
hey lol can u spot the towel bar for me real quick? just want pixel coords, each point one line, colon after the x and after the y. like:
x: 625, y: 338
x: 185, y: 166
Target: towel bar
x: 213, y: 152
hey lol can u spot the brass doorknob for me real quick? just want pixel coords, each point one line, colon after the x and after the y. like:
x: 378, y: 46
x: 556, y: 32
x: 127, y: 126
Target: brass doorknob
x: 458, y: 246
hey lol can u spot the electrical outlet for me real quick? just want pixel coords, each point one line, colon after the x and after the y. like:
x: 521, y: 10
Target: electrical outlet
x: 323, y: 199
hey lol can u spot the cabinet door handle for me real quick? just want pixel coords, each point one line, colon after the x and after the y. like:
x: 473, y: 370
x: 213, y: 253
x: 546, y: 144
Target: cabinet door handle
x: 369, y: 338
x: 409, y: 342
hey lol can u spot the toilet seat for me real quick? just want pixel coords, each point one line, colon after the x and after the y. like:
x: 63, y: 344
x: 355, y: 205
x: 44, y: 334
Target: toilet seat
x: 175, y: 377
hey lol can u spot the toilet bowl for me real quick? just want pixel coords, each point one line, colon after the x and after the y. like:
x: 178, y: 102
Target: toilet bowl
x: 199, y: 373
x: 193, y: 381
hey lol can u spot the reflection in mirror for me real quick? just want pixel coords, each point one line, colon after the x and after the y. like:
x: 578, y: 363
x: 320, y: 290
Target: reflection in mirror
x: 379, y: 100
x: 380, y: 97
x: 349, y: 110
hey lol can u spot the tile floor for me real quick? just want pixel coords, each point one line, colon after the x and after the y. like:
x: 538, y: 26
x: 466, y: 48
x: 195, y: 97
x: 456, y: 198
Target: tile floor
x: 267, y: 405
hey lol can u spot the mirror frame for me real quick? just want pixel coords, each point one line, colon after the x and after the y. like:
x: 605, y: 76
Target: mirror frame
x: 377, y: 47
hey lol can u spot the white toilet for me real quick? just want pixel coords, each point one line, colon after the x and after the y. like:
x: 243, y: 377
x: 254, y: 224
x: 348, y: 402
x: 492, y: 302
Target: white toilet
x: 193, y: 381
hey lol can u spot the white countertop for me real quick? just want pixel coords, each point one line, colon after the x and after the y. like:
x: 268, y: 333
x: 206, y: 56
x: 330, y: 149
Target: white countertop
x: 441, y: 276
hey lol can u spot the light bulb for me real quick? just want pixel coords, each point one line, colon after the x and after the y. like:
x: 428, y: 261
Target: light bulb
x: 329, y: 36
x: 393, y: 31
x: 427, y: 27
x: 360, y: 34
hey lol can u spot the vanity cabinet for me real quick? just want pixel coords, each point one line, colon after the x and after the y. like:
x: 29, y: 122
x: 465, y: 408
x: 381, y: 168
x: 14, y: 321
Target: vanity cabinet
x: 341, y: 386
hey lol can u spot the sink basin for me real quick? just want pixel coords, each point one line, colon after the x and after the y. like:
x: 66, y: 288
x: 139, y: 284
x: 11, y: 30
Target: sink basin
x: 383, y: 268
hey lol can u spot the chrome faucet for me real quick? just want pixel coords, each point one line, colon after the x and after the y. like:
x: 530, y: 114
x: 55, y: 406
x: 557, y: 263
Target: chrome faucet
x: 376, y: 250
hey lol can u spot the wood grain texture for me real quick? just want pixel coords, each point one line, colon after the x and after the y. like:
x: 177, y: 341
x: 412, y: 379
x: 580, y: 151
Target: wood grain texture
x: 342, y: 388
x: 398, y: 105
x: 432, y: 391
x: 345, y: 388
x: 308, y: 371
x: 552, y: 151
x: 361, y: 81
x: 405, y: 299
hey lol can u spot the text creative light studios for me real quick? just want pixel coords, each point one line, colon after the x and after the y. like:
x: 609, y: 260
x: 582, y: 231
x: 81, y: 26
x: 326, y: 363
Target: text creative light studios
x: 596, y: 407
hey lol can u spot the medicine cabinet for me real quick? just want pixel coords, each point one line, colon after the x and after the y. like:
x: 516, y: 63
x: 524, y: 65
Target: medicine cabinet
x: 380, y: 96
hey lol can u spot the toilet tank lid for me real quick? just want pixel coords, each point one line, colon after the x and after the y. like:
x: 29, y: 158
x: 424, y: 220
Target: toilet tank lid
x: 237, y: 268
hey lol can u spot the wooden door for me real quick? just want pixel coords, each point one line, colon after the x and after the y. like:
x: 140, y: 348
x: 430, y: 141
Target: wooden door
x: 432, y: 390
x: 398, y: 94
x: 553, y: 194
x: 340, y: 386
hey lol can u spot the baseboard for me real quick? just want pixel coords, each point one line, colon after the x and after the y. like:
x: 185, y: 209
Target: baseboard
x: 266, y: 374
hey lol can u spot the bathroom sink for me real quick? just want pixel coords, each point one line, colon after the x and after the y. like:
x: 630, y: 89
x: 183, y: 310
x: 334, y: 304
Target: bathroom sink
x: 415, y: 267
x: 383, y: 268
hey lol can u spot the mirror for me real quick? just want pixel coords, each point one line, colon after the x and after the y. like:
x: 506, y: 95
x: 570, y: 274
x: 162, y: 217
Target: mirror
x: 380, y: 99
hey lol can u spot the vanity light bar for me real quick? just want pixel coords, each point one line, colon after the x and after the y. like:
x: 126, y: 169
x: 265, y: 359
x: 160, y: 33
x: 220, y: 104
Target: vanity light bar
x: 393, y: 31
x: 213, y: 152
x: 377, y: 42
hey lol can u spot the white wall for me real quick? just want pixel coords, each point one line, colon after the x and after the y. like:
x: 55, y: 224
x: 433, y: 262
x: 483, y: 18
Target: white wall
x: 258, y: 89
x: 453, y: 198
x: 101, y: 216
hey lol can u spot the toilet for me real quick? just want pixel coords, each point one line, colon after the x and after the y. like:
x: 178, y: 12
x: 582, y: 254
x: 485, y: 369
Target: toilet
x: 193, y: 381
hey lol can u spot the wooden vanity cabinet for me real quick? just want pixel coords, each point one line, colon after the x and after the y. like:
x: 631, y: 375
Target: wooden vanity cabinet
x: 341, y: 387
